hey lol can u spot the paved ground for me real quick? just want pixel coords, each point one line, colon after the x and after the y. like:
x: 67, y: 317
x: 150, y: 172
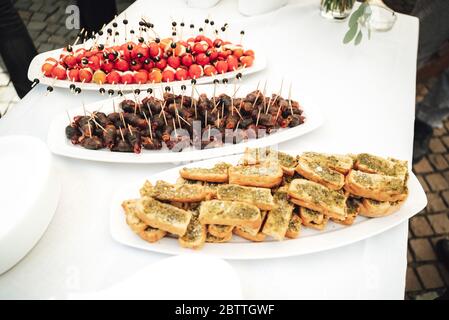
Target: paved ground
x: 426, y: 277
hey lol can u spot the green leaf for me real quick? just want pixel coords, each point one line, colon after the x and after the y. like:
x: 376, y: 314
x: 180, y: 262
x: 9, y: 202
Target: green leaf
x: 358, y: 39
x: 350, y: 34
x: 354, y: 18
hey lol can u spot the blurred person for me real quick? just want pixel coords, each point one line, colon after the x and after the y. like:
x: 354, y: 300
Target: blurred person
x: 16, y: 47
x: 442, y: 249
x: 94, y: 14
x: 434, y: 108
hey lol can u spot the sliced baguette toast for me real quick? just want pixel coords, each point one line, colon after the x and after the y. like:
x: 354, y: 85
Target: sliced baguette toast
x: 294, y: 227
x: 260, y: 197
x: 219, y: 173
x: 340, y: 163
x: 163, y: 216
x: 375, y: 209
x: 230, y: 213
x: 373, y: 164
x: 278, y: 219
x: 213, y: 239
x: 353, y: 209
x: 243, y: 233
x: 313, y: 219
x: 316, y: 171
x: 165, y: 191
x: 317, y: 197
x: 195, y: 237
x: 254, y: 156
x: 151, y: 234
x: 260, y: 175
x: 134, y: 222
x: 220, y: 230
x: 376, y: 186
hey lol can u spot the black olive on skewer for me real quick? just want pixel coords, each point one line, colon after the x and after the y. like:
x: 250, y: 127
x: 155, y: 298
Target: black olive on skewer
x: 105, y: 55
x: 35, y: 82
x: 173, y: 23
x: 77, y: 90
x: 101, y: 46
x: 72, y: 87
x: 139, y: 55
x: 167, y: 89
x: 183, y: 87
x: 188, y: 50
x: 109, y: 31
x: 120, y: 93
x: 115, y: 25
x: 147, y: 61
x: 133, y: 62
x: 141, y: 39
x: 110, y: 92
x: 173, y: 34
x: 192, y: 26
x: 125, y: 21
x: 49, y: 88
x: 69, y: 48
x: 212, y: 23
x: 84, y: 61
x: 157, y: 58
x: 206, y: 21
x: 182, y: 24
x: 137, y: 91
x: 193, y: 81
x: 141, y: 23
x: 151, y: 25
x: 225, y: 81
x: 200, y: 29
x: 242, y: 32
x: 149, y: 90
x: 173, y: 45
x: 102, y: 90
x: 131, y: 31
x: 223, y: 29
x: 117, y: 33
x: 217, y: 45
x: 238, y: 76
x: 130, y: 47
x: 157, y: 40
x: 100, y: 33
x: 216, y: 81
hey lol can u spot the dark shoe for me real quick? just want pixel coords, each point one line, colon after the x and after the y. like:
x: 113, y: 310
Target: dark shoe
x: 442, y: 249
x: 423, y: 133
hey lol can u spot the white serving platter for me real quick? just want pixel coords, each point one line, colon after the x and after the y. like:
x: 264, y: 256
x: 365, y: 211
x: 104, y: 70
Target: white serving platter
x: 309, y: 241
x: 34, y: 72
x: 59, y: 144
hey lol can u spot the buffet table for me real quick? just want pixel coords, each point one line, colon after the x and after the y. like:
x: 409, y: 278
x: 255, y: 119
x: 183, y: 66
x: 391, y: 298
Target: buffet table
x: 367, y: 94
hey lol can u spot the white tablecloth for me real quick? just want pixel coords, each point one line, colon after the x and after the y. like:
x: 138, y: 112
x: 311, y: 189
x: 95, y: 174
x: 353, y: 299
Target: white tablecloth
x: 367, y: 93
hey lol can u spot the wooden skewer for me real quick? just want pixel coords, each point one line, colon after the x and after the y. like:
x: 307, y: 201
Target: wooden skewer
x: 68, y: 116
x: 205, y: 118
x: 149, y: 125
x: 90, y: 130
x: 130, y: 129
x: 174, y: 127
x: 258, y: 115
x: 101, y: 127
x: 123, y: 119
x: 275, y: 99
x: 121, y: 133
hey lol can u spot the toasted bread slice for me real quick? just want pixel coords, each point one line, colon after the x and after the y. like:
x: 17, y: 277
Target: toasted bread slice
x: 353, y: 209
x: 260, y: 175
x: 134, y: 222
x: 260, y: 197
x: 294, y: 227
x: 230, y: 213
x: 163, y: 216
x: 219, y: 173
x: 375, y: 209
x: 376, y: 186
x: 278, y: 219
x: 195, y: 237
x: 243, y: 233
x: 315, y: 171
x: 373, y: 164
x: 220, y: 230
x: 317, y: 197
x: 340, y: 163
x: 253, y: 231
x: 165, y: 191
x: 151, y: 234
x: 213, y: 239
x: 313, y: 219
x: 254, y: 156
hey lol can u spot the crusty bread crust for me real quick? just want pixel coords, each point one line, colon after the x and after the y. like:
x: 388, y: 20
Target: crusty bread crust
x: 337, y: 162
x: 320, y: 225
x: 259, y: 237
x: 152, y: 235
x: 372, y: 209
x: 240, y: 175
x: 218, y: 174
x: 220, y: 230
x: 305, y: 169
x: 380, y: 191
x: 134, y: 222
x: 184, y: 193
x: 149, y: 211
x: 213, y: 239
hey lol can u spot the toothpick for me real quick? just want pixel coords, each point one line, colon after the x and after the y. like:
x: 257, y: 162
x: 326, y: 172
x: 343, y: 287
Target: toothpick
x: 174, y: 127
x: 130, y: 129
x: 121, y: 133
x: 123, y: 119
x: 149, y: 125
x: 68, y: 116
x: 258, y: 115
x: 205, y: 118
x: 90, y: 130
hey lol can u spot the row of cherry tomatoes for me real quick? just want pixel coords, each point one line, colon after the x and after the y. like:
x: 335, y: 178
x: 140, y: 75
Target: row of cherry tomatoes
x: 142, y: 62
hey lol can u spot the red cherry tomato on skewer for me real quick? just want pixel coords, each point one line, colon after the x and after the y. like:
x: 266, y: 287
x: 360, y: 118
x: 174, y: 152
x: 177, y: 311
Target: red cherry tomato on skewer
x: 168, y: 75
x: 195, y: 71
x: 174, y: 62
x: 113, y: 77
x: 181, y: 74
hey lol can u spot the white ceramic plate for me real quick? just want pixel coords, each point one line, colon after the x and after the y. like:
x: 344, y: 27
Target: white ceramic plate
x: 309, y: 241
x: 34, y: 72
x: 29, y: 193
x: 59, y: 144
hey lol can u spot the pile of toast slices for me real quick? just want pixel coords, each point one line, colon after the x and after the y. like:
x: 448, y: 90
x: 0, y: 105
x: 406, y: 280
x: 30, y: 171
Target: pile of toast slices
x: 267, y: 194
